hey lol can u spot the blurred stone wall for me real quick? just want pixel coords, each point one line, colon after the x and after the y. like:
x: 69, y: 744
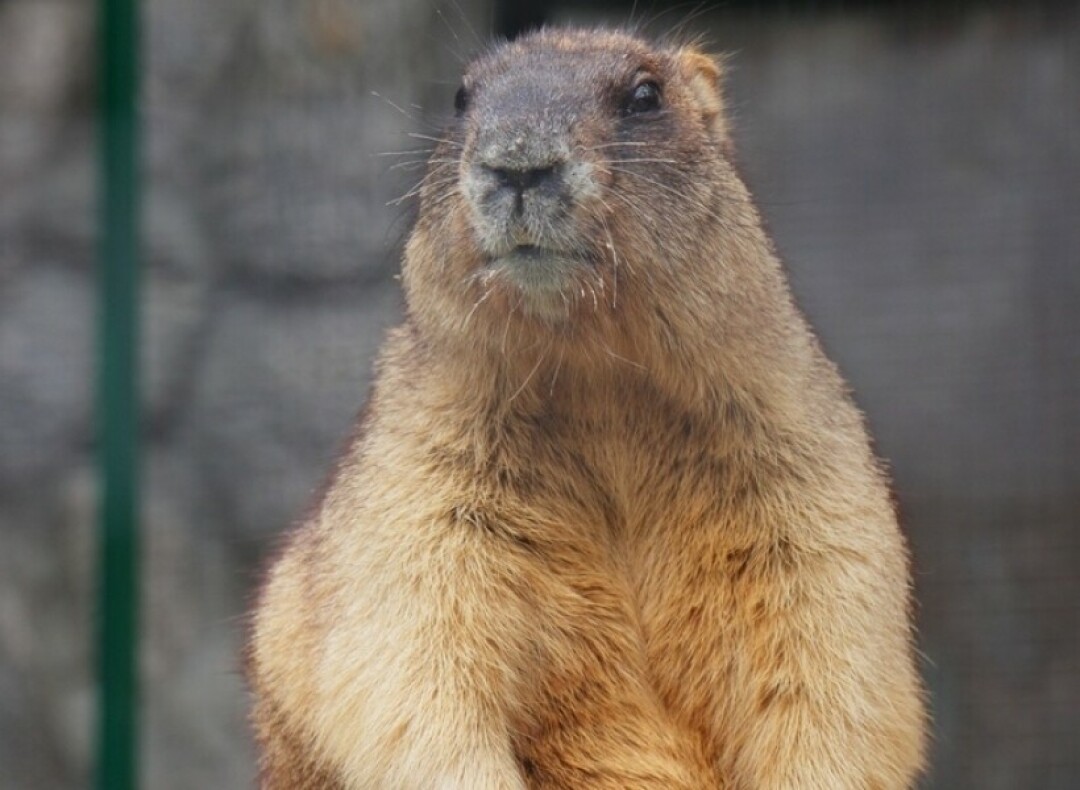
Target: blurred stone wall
x: 46, y: 325
x: 920, y: 171
x: 269, y: 257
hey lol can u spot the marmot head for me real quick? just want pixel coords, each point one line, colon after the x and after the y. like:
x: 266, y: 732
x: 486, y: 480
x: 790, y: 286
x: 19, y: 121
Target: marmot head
x: 582, y: 170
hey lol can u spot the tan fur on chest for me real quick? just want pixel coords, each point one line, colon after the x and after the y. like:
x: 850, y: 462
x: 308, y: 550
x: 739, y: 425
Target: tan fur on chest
x: 612, y: 524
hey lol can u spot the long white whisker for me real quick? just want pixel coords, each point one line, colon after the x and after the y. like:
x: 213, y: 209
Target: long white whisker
x: 532, y: 373
x: 443, y: 140
x: 395, y: 106
x: 487, y: 292
x: 406, y: 152
x: 558, y: 367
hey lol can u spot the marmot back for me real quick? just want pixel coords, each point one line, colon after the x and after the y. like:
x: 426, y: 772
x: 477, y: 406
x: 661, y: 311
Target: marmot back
x: 610, y: 519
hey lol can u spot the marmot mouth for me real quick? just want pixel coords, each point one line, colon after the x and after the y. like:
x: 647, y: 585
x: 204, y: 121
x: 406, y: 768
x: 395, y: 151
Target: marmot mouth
x: 535, y: 269
x: 531, y: 251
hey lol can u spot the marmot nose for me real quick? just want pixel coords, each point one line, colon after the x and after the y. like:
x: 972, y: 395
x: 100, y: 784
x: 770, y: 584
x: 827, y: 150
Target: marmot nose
x: 519, y: 181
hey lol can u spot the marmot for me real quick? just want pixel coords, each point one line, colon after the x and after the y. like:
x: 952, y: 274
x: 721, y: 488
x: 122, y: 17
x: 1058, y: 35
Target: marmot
x: 610, y: 519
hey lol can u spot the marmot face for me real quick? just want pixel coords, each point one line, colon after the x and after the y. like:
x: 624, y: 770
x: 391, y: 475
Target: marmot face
x: 577, y: 167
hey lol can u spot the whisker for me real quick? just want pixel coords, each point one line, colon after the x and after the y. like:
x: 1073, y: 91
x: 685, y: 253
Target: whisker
x: 411, y: 164
x: 613, y: 166
x: 532, y: 373
x: 415, y: 162
x: 410, y: 152
x: 558, y: 367
x: 618, y: 144
x: 443, y: 140
x: 506, y: 330
x: 615, y: 262
x: 416, y: 190
x: 445, y: 21
x: 395, y: 106
x: 710, y: 211
x: 634, y: 207
x: 420, y: 186
x: 592, y: 292
x: 658, y: 161
x: 477, y: 38
x: 613, y: 355
x: 487, y: 292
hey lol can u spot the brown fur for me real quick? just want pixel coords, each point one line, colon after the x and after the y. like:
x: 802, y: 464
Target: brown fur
x: 636, y: 539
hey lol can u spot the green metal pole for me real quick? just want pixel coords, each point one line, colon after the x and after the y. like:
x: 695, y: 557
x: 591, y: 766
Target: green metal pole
x: 118, y: 412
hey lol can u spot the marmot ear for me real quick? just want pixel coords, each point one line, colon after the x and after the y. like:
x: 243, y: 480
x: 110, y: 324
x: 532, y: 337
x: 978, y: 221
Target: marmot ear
x: 705, y: 75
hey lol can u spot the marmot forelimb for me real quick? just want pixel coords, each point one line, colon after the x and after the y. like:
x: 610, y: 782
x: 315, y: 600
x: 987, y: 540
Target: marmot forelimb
x: 611, y: 519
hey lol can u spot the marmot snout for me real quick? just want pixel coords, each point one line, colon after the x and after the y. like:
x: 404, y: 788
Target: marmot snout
x: 527, y: 177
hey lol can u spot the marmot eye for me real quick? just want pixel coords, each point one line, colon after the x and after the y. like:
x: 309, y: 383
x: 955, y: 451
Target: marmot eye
x: 461, y: 100
x: 643, y: 98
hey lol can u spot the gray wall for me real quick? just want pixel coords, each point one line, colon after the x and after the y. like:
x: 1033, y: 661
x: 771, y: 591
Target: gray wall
x: 270, y: 254
x: 921, y: 175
